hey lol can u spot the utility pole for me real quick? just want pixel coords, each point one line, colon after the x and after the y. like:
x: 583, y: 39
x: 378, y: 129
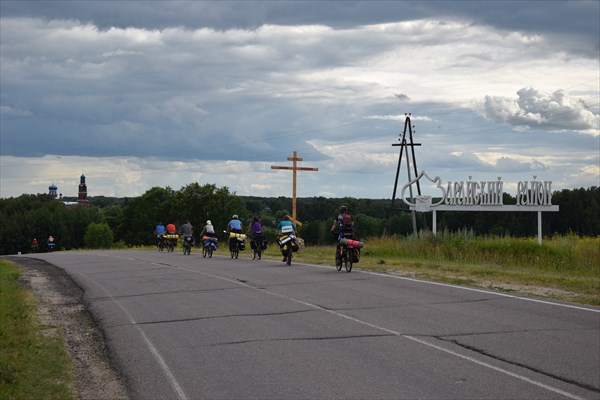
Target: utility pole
x: 294, y: 168
x: 404, y: 143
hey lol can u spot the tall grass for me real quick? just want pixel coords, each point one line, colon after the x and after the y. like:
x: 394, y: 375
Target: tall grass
x: 561, y: 253
x: 563, y: 267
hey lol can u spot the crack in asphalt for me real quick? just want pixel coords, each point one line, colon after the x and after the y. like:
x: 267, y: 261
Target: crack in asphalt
x: 303, y: 339
x: 101, y: 298
x: 220, y: 317
x: 518, y: 364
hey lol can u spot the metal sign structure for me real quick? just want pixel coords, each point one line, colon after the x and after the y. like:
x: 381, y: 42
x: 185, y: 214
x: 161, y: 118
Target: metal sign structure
x: 472, y: 195
x: 294, y: 168
x: 404, y: 143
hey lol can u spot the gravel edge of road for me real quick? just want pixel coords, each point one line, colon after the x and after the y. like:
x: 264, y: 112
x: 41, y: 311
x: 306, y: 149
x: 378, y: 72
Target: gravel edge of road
x: 61, y: 307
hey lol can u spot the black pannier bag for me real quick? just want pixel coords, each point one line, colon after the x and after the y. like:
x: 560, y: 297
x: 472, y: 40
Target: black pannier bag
x: 355, y: 255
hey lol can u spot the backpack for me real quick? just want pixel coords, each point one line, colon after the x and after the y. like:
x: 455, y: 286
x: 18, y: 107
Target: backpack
x: 345, y: 221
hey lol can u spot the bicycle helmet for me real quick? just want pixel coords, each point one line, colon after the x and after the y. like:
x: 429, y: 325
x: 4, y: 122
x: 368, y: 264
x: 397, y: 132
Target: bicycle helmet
x: 235, y: 216
x: 208, y: 222
x: 343, y: 209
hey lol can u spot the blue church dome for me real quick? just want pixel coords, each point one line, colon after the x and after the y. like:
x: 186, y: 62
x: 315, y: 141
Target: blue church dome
x: 52, y: 187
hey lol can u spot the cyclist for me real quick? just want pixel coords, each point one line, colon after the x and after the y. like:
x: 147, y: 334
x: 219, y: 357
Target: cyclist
x: 51, y: 243
x: 255, y: 231
x: 285, y: 227
x: 171, y: 229
x: 186, y: 231
x: 343, y: 225
x: 34, y: 244
x: 234, y: 226
x: 208, y: 230
x: 160, y: 233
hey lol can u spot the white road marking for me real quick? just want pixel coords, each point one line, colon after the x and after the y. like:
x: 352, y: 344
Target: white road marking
x: 182, y: 395
x: 161, y: 362
x: 395, y: 333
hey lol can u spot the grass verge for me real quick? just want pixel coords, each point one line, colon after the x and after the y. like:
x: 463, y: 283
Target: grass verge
x: 33, y: 361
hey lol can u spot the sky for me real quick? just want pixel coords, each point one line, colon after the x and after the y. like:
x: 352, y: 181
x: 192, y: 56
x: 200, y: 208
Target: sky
x: 141, y: 94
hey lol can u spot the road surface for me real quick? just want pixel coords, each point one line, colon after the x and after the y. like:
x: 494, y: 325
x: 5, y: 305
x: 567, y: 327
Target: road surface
x: 187, y: 327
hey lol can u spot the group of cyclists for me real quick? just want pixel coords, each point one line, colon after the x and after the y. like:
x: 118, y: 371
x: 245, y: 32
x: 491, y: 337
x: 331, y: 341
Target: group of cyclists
x: 286, y: 232
x: 50, y: 242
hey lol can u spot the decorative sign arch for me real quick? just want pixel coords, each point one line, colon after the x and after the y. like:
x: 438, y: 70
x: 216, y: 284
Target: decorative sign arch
x: 532, y: 196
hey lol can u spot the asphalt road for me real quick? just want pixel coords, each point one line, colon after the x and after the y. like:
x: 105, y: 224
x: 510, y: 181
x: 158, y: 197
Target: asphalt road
x: 185, y: 327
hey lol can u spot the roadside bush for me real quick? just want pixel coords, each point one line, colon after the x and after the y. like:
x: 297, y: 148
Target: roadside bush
x: 98, y: 236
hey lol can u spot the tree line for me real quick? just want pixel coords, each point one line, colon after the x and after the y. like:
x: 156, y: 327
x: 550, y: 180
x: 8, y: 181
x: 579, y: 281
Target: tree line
x: 131, y: 221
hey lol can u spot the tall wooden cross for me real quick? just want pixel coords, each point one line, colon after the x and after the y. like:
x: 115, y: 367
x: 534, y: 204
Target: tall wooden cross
x: 295, y: 168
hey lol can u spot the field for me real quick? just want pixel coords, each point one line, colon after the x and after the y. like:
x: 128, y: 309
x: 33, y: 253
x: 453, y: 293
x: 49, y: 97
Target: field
x: 562, y: 268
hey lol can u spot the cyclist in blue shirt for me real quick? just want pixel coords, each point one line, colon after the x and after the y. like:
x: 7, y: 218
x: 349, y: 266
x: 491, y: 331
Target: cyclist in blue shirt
x: 160, y: 233
x: 287, y: 221
x: 235, y: 225
x: 285, y: 227
x: 160, y: 229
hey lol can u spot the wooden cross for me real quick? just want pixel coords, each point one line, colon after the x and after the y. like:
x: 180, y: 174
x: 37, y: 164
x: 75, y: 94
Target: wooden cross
x: 294, y: 169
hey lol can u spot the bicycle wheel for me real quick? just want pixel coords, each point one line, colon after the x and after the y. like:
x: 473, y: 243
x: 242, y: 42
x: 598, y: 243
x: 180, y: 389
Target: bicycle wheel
x: 204, y: 251
x: 288, y: 260
x: 348, y: 261
x: 338, y: 260
x: 258, y: 253
x: 253, y: 253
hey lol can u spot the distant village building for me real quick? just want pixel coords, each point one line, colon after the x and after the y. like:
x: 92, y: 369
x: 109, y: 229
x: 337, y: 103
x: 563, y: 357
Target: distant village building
x: 52, y: 191
x: 82, y: 199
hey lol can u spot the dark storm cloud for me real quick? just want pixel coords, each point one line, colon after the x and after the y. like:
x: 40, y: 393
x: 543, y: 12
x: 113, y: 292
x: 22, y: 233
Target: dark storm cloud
x: 577, y: 20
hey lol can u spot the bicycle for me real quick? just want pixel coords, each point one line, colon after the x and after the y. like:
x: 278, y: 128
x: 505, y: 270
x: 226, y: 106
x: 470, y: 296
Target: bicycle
x: 210, y: 245
x: 288, y: 243
x: 347, y: 253
x: 237, y: 243
x: 171, y: 245
x: 234, y: 249
x: 187, y: 245
x: 344, y: 257
x: 256, y: 245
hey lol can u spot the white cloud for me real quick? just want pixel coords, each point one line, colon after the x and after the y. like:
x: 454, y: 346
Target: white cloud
x: 536, y: 110
x: 14, y: 112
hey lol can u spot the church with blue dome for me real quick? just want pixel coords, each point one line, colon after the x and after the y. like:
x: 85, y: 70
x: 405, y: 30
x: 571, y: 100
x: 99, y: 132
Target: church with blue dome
x: 82, y: 199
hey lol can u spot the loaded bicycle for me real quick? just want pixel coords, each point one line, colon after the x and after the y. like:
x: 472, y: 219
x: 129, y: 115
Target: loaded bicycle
x: 257, y: 245
x: 347, y: 253
x: 237, y: 243
x: 289, y: 243
x: 188, y: 241
x: 210, y: 245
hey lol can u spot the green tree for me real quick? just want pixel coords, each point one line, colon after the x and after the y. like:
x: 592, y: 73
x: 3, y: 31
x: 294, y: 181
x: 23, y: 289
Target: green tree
x: 98, y: 236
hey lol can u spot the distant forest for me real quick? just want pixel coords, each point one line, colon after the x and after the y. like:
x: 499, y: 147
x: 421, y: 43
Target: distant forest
x: 132, y: 220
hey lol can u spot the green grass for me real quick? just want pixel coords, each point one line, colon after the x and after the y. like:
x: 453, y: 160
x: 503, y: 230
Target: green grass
x: 33, y: 363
